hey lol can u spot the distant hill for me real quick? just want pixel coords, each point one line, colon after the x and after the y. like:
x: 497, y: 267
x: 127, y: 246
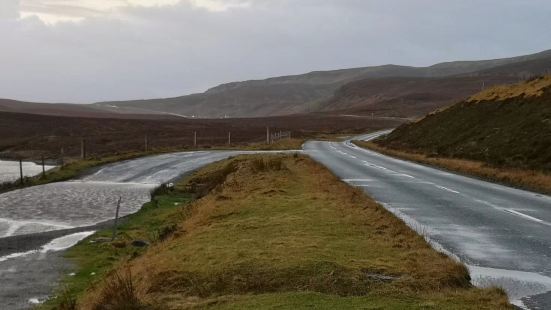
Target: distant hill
x: 77, y: 110
x: 417, y: 96
x: 503, y: 126
x: 356, y: 90
x: 389, y: 90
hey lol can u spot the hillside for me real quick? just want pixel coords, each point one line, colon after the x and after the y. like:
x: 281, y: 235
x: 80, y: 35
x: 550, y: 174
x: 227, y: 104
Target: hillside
x: 315, y: 91
x: 503, y: 126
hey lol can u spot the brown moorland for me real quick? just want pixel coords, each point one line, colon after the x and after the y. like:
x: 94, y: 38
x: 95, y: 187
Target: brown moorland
x: 31, y: 135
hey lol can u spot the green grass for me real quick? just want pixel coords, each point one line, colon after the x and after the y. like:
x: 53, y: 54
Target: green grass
x: 311, y: 300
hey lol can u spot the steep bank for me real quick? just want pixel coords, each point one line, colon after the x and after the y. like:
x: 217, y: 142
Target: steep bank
x: 506, y: 126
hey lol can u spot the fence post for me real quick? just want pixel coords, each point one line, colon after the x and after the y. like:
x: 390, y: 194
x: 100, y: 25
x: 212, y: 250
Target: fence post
x: 146, y: 144
x: 21, y: 171
x: 43, y: 168
x: 116, y: 219
x: 61, y: 155
x: 82, y: 148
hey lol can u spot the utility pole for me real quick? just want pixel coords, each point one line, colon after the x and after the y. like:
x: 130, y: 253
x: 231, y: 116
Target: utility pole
x: 195, y: 139
x: 21, y: 171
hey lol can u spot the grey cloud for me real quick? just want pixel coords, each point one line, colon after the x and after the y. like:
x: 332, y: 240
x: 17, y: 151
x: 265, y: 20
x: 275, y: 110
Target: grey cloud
x: 9, y: 9
x: 169, y: 51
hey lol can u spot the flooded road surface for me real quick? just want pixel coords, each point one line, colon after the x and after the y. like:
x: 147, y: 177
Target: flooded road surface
x: 36, y: 216
x: 9, y: 170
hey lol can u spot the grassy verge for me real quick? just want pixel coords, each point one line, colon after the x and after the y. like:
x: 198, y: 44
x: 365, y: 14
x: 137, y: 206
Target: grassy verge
x: 270, y: 232
x: 520, y: 178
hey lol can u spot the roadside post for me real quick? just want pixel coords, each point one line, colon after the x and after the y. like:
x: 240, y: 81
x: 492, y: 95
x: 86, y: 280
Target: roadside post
x: 82, y: 148
x: 21, y: 171
x: 43, y: 168
x: 146, y: 143
x: 195, y: 139
x: 229, y: 137
x: 116, y: 219
x: 61, y: 155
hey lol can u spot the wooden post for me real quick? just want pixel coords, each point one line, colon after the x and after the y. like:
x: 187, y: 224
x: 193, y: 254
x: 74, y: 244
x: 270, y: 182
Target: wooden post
x: 21, y: 171
x: 229, y: 137
x: 146, y: 142
x: 116, y: 219
x: 43, y: 167
x: 82, y: 148
x: 267, y: 135
x: 195, y: 139
x: 61, y: 155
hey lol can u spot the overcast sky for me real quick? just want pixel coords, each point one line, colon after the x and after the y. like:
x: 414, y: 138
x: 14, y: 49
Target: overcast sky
x: 94, y: 50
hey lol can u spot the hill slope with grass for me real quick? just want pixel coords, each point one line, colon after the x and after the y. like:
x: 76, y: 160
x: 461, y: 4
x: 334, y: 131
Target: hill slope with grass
x: 269, y: 232
x: 504, y: 126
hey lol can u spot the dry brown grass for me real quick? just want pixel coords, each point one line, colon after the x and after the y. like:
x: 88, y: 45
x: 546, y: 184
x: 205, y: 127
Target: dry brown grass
x: 532, y: 88
x: 291, y: 227
x: 521, y: 178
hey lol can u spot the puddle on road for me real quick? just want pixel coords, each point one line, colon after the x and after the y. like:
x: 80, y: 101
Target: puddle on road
x: 67, y: 204
x: 518, y: 284
x: 9, y: 170
x: 55, y: 245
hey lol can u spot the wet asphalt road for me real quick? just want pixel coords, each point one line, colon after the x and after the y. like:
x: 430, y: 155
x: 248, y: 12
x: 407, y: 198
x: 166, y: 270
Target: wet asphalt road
x: 502, y: 234
x: 31, y: 219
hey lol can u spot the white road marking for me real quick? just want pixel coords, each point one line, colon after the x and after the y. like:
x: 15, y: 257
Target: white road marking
x: 523, y: 215
x: 447, y: 189
x: 357, y: 180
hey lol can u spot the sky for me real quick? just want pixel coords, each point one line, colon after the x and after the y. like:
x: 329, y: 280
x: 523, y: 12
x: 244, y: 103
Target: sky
x: 83, y: 51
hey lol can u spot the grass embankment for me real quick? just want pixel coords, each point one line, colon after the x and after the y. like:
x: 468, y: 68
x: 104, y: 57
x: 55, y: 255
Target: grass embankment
x: 272, y: 232
x: 502, y: 134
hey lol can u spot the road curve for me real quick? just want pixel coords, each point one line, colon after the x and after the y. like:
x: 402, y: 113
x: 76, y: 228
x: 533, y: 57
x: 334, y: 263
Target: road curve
x: 503, y: 234
x: 38, y: 223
